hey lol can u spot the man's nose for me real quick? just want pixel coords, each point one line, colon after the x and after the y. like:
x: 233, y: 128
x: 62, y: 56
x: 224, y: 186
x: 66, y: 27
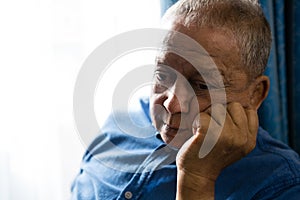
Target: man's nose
x: 179, y: 97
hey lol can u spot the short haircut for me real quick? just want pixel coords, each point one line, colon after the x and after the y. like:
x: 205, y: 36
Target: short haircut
x: 244, y: 18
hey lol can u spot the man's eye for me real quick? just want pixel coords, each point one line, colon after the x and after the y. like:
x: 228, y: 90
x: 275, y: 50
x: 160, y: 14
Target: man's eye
x: 200, y: 86
x: 163, y: 78
x: 160, y: 77
x: 162, y: 81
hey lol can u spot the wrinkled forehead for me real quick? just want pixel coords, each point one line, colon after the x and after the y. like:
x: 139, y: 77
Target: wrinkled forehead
x: 182, y: 49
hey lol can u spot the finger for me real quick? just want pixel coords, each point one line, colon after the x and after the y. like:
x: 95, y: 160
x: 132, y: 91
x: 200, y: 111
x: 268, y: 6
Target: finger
x: 213, y: 132
x: 218, y: 113
x: 253, y: 127
x: 192, y: 146
x: 237, y: 114
x: 196, y: 124
x: 204, y: 122
x: 252, y: 121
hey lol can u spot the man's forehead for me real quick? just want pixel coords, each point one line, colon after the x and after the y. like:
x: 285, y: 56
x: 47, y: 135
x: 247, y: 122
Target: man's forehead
x: 187, y: 48
x: 193, y: 40
x: 191, y: 60
x: 183, y: 43
x: 205, y: 51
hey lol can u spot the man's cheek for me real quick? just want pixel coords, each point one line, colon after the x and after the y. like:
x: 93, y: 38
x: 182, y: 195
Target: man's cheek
x: 201, y: 104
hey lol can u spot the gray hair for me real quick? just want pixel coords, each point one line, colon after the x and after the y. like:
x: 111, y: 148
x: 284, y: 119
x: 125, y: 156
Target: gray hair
x: 244, y: 18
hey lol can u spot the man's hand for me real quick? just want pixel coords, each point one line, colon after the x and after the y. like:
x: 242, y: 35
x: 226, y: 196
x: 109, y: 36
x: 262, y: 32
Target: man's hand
x: 196, y: 176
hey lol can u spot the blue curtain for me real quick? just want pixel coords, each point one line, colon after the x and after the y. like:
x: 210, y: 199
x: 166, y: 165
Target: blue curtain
x: 280, y: 112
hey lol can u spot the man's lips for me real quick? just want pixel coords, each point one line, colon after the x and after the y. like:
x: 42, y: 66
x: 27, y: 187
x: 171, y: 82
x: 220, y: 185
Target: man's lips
x: 172, y: 130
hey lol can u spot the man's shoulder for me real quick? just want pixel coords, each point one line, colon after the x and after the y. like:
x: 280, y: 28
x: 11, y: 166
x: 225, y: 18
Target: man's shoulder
x: 276, y: 153
x: 126, y: 130
x: 281, y: 160
x: 275, y: 150
x: 272, y: 167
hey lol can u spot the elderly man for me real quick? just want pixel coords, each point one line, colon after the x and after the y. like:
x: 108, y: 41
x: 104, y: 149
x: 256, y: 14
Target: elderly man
x: 212, y: 91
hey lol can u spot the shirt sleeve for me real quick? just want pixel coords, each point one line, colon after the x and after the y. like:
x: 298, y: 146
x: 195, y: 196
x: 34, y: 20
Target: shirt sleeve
x: 293, y: 193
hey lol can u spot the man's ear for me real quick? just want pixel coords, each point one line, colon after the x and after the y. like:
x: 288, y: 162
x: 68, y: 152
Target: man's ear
x: 259, y: 91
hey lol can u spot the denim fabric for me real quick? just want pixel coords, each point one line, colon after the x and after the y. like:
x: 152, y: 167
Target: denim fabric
x: 139, y: 165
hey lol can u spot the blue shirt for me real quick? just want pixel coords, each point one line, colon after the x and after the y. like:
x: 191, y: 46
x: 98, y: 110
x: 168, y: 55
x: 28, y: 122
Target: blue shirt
x: 128, y: 160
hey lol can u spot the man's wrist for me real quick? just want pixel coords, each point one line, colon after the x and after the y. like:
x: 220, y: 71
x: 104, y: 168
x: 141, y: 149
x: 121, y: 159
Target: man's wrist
x: 193, y: 186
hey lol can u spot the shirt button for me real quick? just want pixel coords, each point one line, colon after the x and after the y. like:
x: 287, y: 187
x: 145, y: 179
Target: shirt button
x: 128, y: 195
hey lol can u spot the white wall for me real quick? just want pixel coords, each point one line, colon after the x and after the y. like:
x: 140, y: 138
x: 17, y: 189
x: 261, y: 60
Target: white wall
x: 42, y: 46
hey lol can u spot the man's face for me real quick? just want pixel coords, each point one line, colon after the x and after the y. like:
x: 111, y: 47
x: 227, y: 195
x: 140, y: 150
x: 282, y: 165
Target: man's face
x: 182, y: 90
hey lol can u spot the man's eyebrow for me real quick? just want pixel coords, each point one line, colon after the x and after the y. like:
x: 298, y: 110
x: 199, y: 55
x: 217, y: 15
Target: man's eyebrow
x: 213, y: 75
x: 186, y: 51
x: 190, y: 57
x: 210, y: 72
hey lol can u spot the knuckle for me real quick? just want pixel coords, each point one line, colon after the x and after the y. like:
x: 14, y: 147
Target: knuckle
x: 234, y: 106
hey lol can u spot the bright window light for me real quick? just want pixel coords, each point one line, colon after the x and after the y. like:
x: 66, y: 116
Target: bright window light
x: 43, y: 45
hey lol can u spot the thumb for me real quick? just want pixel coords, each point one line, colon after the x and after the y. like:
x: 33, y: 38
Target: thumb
x: 192, y: 146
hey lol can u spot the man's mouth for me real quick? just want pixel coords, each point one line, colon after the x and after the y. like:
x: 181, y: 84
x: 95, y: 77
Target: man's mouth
x: 172, y: 130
